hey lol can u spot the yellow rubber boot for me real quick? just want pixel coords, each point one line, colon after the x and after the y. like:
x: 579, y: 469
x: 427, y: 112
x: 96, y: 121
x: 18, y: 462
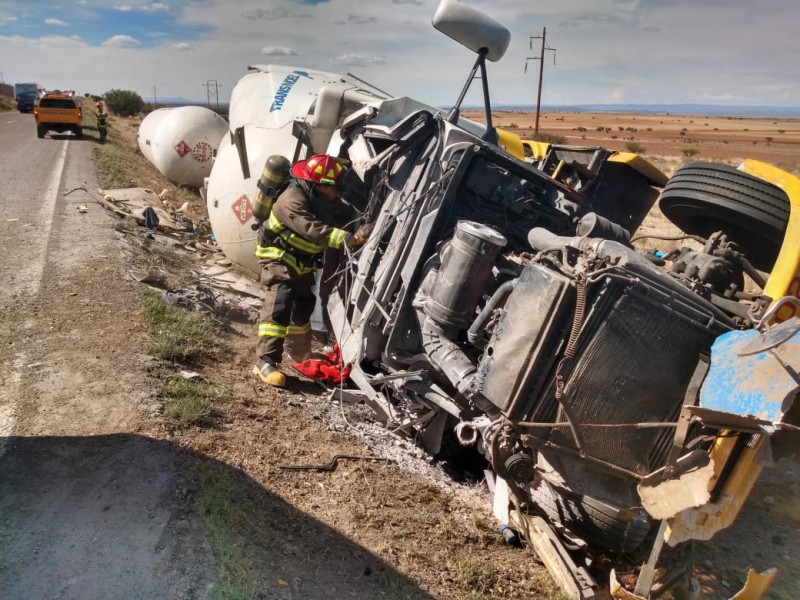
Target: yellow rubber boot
x: 270, y: 374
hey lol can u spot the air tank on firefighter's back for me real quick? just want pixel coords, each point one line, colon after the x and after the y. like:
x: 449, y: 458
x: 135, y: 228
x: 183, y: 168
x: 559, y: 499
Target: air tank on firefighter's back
x: 181, y: 142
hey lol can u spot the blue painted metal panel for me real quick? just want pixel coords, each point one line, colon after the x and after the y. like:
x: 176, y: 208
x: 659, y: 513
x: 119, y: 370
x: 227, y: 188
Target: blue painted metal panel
x: 754, y: 374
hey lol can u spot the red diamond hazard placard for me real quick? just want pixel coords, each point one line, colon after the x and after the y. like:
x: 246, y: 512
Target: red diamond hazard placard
x: 242, y: 210
x: 182, y: 148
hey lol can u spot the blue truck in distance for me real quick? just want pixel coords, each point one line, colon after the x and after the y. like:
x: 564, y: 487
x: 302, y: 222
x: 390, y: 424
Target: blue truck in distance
x: 26, y: 95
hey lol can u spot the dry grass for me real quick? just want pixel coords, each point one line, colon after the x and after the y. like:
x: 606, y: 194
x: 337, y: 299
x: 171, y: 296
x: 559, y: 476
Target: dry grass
x: 7, y: 103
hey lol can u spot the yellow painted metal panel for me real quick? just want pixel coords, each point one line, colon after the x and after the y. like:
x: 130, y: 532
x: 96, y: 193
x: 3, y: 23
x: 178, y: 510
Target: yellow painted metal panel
x: 642, y: 166
x: 785, y: 277
x: 511, y: 143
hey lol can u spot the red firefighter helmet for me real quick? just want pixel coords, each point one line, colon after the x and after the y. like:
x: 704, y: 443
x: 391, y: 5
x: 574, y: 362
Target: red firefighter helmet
x: 320, y: 168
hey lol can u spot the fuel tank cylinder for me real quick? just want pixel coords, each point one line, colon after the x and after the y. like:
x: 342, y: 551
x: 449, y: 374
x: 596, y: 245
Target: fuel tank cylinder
x: 182, y: 142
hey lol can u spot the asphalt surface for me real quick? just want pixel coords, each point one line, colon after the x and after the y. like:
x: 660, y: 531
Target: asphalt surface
x: 89, y: 506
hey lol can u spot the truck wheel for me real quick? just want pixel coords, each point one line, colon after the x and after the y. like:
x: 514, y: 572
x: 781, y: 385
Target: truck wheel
x: 40, y: 131
x: 78, y: 132
x: 597, y: 522
x: 704, y: 197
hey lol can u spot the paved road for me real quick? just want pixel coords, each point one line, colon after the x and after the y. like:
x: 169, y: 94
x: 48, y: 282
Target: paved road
x: 89, y: 508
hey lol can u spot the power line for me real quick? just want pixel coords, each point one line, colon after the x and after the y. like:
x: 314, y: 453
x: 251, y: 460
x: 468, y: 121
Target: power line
x: 540, y: 58
x: 212, y: 83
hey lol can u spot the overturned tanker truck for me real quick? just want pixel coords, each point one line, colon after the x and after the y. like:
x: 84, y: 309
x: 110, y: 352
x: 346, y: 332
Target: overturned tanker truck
x: 624, y: 401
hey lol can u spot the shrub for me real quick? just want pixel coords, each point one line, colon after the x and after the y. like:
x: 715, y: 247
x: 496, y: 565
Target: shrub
x: 124, y: 102
x: 634, y: 147
x: 550, y: 138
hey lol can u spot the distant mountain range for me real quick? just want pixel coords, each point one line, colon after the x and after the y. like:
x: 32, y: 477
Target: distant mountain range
x: 711, y: 110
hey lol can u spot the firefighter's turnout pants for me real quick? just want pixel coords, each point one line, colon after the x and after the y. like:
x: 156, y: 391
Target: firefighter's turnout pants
x: 285, y: 314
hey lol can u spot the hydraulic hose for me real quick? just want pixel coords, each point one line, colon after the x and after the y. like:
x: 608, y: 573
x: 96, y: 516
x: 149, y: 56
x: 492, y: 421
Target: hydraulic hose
x: 474, y: 332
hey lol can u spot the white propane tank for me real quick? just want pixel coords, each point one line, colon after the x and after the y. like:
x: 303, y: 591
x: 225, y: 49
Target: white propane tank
x: 266, y: 104
x: 181, y: 142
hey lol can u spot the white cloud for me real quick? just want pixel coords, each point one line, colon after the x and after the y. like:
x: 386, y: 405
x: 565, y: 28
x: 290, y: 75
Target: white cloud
x: 58, y: 22
x: 77, y: 38
x: 278, y: 51
x: 274, y: 14
x: 358, y: 60
x: 358, y: 20
x: 5, y: 20
x: 183, y: 46
x: 155, y: 7
x: 120, y: 41
x: 152, y: 7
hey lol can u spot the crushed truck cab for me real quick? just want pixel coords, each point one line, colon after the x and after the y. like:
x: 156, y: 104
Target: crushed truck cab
x: 501, y: 312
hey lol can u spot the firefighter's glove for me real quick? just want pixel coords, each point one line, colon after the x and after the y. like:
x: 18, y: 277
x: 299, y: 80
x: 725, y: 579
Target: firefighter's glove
x: 361, y: 236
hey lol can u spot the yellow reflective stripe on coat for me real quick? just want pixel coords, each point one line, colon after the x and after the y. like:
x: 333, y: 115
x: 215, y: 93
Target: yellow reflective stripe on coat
x: 299, y: 329
x: 272, y: 253
x: 336, y: 238
x: 272, y: 330
x: 292, y: 239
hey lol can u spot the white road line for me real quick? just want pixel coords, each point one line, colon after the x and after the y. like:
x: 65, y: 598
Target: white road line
x: 46, y: 212
x: 9, y: 393
x: 8, y: 402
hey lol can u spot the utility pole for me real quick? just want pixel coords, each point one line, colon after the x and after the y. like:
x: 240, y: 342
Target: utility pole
x: 209, y: 84
x: 155, y: 97
x: 540, y: 58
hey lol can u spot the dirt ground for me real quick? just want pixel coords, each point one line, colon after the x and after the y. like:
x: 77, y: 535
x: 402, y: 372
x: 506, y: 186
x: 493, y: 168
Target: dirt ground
x: 398, y: 529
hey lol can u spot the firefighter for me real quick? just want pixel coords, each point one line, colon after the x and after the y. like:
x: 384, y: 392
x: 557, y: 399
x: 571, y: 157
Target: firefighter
x: 102, y: 116
x: 291, y: 243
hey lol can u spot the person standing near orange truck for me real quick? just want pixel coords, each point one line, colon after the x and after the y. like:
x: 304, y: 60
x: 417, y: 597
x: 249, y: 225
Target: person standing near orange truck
x: 291, y: 243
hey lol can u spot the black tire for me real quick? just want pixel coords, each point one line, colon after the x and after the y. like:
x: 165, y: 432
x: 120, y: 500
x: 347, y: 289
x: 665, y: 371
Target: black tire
x: 40, y: 131
x: 78, y: 132
x: 599, y: 523
x: 703, y: 197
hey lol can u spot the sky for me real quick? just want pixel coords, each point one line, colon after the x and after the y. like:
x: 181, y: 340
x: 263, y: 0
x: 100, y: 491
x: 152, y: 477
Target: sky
x: 723, y: 52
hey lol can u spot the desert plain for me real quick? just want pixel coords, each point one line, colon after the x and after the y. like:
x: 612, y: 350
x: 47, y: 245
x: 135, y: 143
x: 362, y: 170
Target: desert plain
x: 666, y: 139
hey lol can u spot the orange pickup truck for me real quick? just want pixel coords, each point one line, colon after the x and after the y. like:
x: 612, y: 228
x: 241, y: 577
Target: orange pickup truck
x: 60, y: 113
